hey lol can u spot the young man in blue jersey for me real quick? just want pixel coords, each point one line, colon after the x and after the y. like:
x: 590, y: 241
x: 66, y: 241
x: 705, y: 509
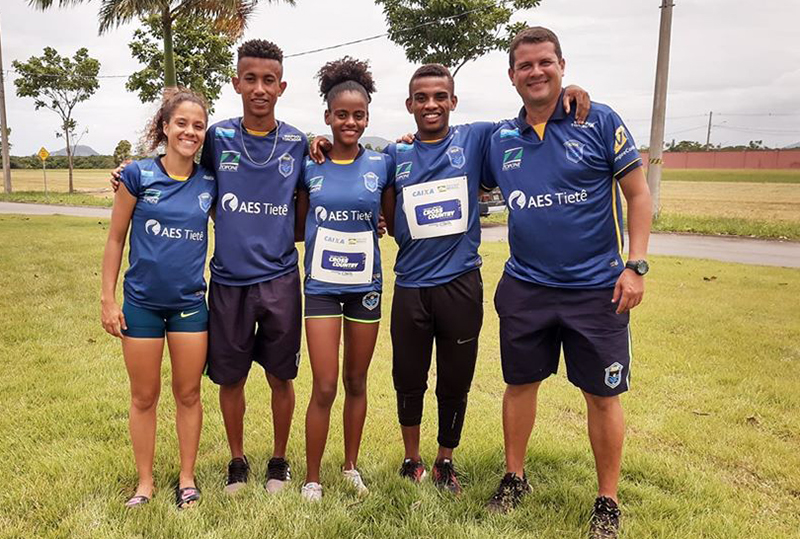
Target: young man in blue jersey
x: 566, y: 284
x: 254, y: 296
x: 432, y: 212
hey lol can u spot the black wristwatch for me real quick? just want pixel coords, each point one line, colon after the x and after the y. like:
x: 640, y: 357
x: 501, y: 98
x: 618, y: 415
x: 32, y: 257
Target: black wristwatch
x: 639, y: 266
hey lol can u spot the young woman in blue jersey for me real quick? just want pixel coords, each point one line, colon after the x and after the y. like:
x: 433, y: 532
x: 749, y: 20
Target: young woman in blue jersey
x: 165, y: 202
x: 338, y: 205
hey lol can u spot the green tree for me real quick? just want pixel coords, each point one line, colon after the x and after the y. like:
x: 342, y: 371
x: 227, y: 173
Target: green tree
x: 59, y: 84
x: 229, y: 16
x: 452, y: 32
x: 686, y: 146
x: 203, y: 58
x: 122, y: 151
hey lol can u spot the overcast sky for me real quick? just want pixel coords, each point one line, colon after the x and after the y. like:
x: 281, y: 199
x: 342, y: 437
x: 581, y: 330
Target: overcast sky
x: 739, y: 58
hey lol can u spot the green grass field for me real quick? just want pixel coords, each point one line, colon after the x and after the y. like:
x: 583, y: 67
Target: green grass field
x: 713, y: 419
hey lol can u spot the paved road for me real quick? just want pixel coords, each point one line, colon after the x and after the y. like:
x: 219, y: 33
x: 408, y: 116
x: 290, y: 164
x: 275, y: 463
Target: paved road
x: 743, y: 250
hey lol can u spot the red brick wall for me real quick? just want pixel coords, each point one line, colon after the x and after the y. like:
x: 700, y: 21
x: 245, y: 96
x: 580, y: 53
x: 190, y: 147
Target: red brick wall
x: 742, y: 159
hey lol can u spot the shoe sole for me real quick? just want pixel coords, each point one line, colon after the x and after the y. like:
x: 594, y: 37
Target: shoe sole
x: 233, y: 488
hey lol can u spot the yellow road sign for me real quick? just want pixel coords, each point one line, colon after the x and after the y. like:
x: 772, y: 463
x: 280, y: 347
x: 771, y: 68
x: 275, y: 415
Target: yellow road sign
x: 43, y: 154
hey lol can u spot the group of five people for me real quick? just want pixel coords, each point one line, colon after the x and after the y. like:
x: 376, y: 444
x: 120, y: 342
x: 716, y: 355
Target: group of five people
x: 566, y: 284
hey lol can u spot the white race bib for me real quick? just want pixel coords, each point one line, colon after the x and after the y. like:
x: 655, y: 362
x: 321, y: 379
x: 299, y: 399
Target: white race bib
x: 437, y: 208
x: 343, y: 257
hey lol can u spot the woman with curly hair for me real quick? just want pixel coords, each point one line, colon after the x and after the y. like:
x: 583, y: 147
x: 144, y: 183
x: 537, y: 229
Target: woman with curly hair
x: 165, y: 201
x: 338, y: 206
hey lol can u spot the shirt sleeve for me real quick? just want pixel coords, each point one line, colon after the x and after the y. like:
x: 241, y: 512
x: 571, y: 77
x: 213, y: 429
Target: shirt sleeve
x: 619, y: 145
x: 390, y: 169
x: 207, y: 156
x: 304, y: 164
x: 131, y: 178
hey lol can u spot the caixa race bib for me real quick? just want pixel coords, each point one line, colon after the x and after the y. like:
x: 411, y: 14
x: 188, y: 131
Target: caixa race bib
x: 343, y: 257
x: 437, y: 208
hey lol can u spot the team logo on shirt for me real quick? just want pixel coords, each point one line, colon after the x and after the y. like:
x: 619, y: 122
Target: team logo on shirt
x: 229, y: 160
x: 315, y: 184
x: 205, y: 200
x: 512, y: 159
x: 152, y: 227
x: 320, y: 214
x: 286, y: 165
x: 371, y: 300
x: 221, y: 132
x: 614, y: 375
x: 620, y: 139
x: 292, y: 138
x: 146, y: 173
x: 371, y: 181
x: 574, y: 150
x: 509, y: 133
x: 403, y: 147
x: 516, y: 200
x: 403, y: 171
x: 456, y: 156
x: 229, y: 202
x: 151, y: 196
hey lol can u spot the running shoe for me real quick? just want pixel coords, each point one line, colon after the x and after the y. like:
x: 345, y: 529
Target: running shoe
x: 311, y: 492
x: 413, y: 469
x: 444, y: 476
x: 510, y: 492
x: 278, y: 474
x: 238, y: 471
x: 605, y: 519
x: 354, y: 478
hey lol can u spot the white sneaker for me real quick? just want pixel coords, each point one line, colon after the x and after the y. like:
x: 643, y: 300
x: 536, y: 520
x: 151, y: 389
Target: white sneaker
x: 311, y: 492
x: 354, y: 478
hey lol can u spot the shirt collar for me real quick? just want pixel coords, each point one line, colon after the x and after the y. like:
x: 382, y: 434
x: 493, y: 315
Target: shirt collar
x: 558, y: 114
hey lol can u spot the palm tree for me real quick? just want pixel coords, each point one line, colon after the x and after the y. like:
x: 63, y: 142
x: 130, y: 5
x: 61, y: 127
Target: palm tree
x: 230, y: 16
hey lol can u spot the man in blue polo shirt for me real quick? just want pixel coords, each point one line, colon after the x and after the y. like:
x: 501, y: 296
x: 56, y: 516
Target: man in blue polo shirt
x: 566, y: 283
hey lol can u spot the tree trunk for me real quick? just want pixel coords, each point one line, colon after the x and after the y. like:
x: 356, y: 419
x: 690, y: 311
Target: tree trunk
x: 170, y: 80
x: 69, y: 154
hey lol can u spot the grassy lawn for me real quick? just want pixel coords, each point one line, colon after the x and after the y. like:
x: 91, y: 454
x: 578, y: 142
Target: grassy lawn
x: 92, y: 187
x: 713, y: 419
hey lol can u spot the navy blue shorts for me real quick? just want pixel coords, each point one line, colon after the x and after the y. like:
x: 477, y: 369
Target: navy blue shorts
x: 152, y: 323
x: 259, y: 322
x: 537, y: 321
x: 358, y: 307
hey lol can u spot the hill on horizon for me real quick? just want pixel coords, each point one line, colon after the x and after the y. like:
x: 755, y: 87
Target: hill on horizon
x: 78, y: 151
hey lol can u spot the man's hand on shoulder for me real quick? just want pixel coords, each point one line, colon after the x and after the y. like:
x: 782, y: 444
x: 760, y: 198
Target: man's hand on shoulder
x: 116, y: 174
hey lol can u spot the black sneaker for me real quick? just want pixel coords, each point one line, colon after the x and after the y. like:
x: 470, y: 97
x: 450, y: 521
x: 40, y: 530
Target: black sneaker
x: 510, y: 492
x: 238, y: 470
x: 413, y: 469
x: 278, y: 474
x: 444, y: 476
x: 605, y: 519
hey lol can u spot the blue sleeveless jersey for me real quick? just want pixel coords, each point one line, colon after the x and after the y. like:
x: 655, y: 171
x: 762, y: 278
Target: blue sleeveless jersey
x: 257, y: 177
x: 345, y: 198
x: 169, y: 236
x: 565, y: 212
x: 438, y: 260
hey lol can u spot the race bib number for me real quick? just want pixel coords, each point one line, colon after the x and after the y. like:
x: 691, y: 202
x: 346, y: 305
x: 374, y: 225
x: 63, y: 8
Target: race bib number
x: 343, y: 257
x: 437, y: 208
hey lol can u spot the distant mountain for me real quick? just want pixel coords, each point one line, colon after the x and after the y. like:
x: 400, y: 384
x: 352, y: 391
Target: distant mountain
x: 375, y: 142
x: 78, y: 151
x: 792, y: 146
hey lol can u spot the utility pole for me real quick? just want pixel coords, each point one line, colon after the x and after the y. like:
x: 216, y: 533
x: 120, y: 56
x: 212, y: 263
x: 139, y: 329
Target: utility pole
x: 659, y: 107
x: 4, y: 125
x: 708, y: 135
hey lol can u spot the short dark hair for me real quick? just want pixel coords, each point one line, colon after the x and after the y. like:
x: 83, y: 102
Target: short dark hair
x: 533, y: 34
x: 346, y: 74
x: 432, y: 70
x: 260, y: 48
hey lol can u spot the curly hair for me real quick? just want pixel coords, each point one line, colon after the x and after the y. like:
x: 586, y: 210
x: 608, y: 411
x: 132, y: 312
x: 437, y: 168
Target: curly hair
x: 346, y: 74
x: 432, y: 70
x: 154, y: 135
x: 260, y: 48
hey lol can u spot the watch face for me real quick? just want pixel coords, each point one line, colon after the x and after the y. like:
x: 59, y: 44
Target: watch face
x: 642, y: 267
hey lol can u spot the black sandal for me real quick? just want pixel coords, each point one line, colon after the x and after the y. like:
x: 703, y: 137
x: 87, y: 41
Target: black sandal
x: 136, y: 501
x: 185, y: 496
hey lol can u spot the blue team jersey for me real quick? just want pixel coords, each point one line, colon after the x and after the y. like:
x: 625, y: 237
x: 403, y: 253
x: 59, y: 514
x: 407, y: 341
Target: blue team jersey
x: 433, y: 202
x: 565, y: 214
x: 257, y: 178
x: 169, y: 236
x: 341, y: 236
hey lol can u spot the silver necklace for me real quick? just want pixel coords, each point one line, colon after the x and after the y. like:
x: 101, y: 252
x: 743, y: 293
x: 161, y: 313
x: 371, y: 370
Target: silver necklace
x: 274, y: 144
